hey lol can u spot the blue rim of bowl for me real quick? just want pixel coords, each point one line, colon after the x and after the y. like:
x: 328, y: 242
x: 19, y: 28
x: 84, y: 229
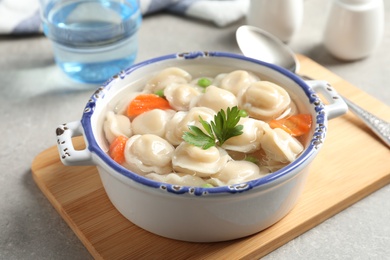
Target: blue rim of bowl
x: 313, y: 147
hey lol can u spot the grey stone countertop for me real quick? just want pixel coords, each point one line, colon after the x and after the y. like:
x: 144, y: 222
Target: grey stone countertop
x: 35, y: 98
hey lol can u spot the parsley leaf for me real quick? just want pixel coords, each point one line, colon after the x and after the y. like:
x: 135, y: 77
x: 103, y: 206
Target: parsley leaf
x: 223, y: 127
x: 198, y: 138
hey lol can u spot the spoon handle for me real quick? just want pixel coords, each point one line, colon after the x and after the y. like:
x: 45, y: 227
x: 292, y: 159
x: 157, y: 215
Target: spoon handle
x: 380, y: 127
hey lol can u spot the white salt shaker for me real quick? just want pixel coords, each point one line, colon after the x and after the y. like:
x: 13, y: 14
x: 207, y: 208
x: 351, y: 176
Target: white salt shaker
x: 281, y: 18
x: 354, y: 28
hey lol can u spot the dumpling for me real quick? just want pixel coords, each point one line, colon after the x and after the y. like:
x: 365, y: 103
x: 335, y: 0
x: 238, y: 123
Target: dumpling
x: 280, y: 146
x: 166, y: 77
x: 196, y: 161
x: 237, y: 80
x: 216, y: 99
x: 291, y: 110
x: 250, y: 139
x: 264, y: 100
x: 116, y: 125
x: 178, y: 179
x: 180, y: 121
x: 121, y: 105
x: 179, y: 96
x: 152, y: 122
x: 236, y: 172
x: 266, y: 164
x: 174, y: 132
x: 149, y: 153
x: 218, y: 79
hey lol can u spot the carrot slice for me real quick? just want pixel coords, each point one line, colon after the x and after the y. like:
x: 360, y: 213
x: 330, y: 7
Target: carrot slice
x: 146, y: 102
x: 117, y: 149
x: 295, y: 125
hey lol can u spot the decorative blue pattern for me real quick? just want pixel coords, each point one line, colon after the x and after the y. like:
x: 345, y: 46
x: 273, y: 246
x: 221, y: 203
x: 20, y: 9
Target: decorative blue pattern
x: 315, y: 144
x: 158, y: 5
x: 181, y: 7
x: 28, y: 19
x: 29, y: 25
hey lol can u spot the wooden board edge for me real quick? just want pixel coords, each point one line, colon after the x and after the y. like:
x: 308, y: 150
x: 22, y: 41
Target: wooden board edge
x: 57, y: 206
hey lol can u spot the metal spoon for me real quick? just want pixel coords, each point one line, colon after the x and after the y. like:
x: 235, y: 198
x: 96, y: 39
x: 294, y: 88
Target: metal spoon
x: 261, y: 45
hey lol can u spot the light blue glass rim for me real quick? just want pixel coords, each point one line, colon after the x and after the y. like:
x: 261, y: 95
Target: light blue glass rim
x: 307, y: 155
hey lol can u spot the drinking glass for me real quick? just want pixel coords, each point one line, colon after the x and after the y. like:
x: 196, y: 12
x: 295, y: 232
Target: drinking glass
x: 92, y: 40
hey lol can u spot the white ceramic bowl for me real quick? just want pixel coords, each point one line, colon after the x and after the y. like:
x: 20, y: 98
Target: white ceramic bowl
x: 194, y: 213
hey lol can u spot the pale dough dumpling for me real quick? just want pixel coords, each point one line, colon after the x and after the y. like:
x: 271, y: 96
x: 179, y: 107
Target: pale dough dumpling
x: 250, y: 139
x: 180, y: 121
x: 179, y: 96
x: 116, y: 125
x: 122, y: 104
x: 152, y: 122
x: 280, y: 146
x: 216, y: 99
x: 236, y: 172
x: 218, y: 79
x: 149, y: 153
x: 266, y: 164
x: 194, y: 160
x: 291, y: 110
x: 178, y: 179
x: 237, y: 80
x: 166, y: 77
x: 264, y: 100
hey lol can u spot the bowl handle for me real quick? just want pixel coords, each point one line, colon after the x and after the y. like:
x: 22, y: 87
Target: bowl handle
x: 336, y: 105
x: 68, y: 154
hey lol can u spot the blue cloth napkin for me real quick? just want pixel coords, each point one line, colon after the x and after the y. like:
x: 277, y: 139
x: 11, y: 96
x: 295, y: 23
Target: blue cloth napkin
x: 22, y: 17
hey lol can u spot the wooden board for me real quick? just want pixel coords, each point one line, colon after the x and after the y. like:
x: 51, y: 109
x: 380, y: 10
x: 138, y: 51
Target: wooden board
x: 352, y: 164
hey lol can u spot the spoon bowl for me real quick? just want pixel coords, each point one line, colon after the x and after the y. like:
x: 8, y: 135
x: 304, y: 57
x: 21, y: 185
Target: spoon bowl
x: 261, y: 45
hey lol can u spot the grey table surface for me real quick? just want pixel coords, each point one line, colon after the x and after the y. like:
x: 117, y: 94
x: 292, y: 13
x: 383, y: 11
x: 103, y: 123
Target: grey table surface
x: 35, y: 98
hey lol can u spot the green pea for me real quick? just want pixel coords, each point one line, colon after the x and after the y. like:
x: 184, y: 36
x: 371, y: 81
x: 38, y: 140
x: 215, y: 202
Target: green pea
x: 204, y: 82
x: 160, y: 93
x: 242, y: 113
x: 252, y: 159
